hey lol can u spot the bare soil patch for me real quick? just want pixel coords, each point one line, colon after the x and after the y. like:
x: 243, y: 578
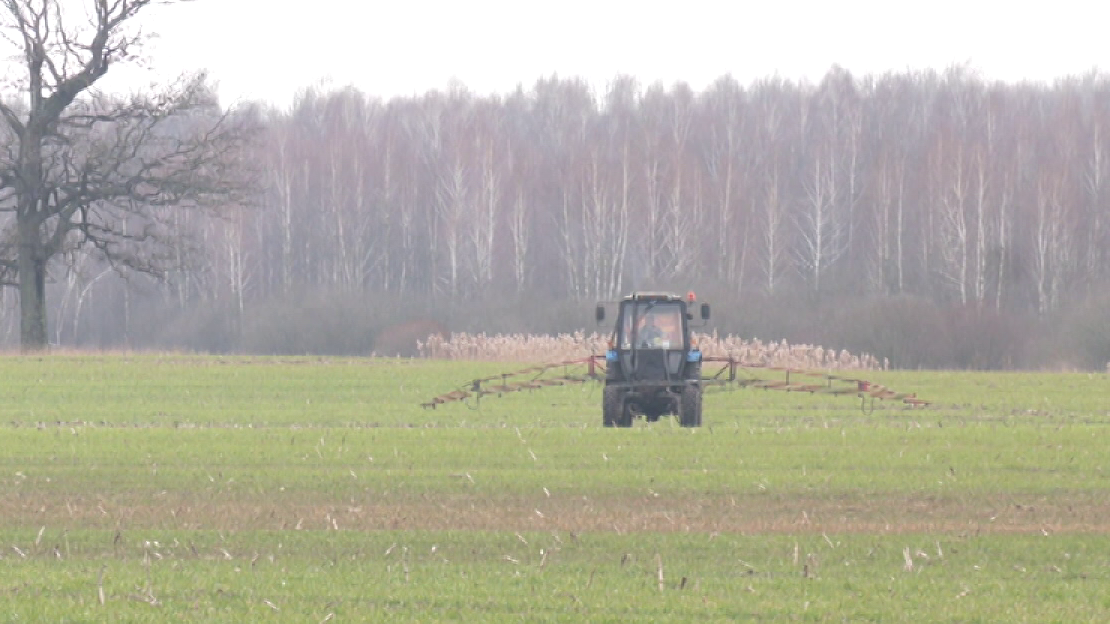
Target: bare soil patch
x: 1070, y: 513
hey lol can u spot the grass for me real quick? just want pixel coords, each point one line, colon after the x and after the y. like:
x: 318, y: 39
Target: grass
x: 165, y: 488
x: 542, y: 576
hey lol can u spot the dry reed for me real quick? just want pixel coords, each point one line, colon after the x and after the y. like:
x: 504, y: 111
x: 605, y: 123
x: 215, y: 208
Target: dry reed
x: 541, y: 348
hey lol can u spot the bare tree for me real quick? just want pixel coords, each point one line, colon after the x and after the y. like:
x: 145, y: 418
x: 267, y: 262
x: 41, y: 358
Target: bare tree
x: 822, y: 222
x: 821, y: 231
x: 771, y: 188
x: 89, y: 172
x: 954, y: 189
x: 1051, y: 243
x: 490, y: 148
x: 683, y: 202
x: 771, y: 230
x: 722, y: 156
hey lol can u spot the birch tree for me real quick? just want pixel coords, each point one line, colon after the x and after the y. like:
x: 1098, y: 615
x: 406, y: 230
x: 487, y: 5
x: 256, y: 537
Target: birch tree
x: 722, y: 118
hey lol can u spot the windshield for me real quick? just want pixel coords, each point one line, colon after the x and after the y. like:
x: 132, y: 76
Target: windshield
x: 658, y: 325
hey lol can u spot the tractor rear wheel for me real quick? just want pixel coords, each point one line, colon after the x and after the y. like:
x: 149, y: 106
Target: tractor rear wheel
x: 612, y: 408
x: 689, y: 409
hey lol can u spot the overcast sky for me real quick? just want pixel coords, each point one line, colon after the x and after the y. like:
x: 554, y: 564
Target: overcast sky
x: 270, y: 49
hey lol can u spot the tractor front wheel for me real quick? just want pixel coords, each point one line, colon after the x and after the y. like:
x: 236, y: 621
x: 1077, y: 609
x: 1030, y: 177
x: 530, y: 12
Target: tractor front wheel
x: 689, y: 409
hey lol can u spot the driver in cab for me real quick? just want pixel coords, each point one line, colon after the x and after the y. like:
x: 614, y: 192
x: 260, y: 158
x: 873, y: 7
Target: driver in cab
x: 652, y: 335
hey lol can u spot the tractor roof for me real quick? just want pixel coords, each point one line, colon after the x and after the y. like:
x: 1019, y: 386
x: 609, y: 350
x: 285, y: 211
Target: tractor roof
x: 653, y: 296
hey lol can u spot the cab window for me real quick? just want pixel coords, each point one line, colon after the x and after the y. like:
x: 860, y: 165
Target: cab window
x: 658, y: 326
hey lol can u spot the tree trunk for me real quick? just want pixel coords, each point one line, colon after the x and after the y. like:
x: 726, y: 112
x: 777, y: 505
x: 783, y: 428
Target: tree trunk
x: 32, y: 289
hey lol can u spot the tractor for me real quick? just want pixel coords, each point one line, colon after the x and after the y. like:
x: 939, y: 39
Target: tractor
x: 653, y: 366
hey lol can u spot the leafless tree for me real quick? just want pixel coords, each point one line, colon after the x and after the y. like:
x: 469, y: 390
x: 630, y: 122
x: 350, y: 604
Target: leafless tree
x: 86, y: 171
x: 723, y: 160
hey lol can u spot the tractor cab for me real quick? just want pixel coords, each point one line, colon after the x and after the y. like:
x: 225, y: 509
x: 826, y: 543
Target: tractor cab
x: 654, y: 321
x: 652, y: 325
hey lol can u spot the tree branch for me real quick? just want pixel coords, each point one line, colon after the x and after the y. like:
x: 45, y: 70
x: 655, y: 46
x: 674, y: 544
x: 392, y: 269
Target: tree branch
x: 12, y: 119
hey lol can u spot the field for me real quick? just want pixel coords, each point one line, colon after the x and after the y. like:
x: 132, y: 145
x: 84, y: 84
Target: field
x: 143, y: 488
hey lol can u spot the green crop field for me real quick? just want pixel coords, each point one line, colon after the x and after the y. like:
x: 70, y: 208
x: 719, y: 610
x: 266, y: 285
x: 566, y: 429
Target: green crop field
x: 147, y: 488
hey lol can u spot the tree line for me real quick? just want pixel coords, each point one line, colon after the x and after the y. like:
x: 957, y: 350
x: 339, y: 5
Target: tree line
x: 936, y: 186
x: 809, y: 211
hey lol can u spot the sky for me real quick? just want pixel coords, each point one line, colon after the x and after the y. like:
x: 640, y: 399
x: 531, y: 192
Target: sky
x: 270, y: 49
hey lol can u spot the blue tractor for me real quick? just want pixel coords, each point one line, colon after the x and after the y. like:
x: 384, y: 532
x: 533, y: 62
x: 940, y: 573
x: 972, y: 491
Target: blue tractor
x: 653, y: 366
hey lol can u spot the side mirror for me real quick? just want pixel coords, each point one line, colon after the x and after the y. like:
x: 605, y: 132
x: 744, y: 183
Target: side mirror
x: 705, y: 311
x: 599, y: 313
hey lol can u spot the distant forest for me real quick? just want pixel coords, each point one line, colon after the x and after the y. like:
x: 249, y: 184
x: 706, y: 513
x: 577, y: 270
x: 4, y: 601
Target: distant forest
x: 933, y: 218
